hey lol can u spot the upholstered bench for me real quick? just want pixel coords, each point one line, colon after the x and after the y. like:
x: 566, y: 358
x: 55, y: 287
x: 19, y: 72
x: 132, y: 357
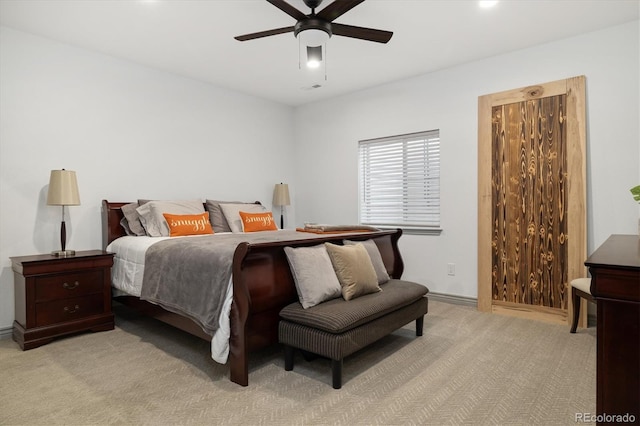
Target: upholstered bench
x: 337, y: 328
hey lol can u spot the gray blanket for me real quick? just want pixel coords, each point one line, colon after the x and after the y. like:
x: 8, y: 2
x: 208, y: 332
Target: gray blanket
x: 190, y: 275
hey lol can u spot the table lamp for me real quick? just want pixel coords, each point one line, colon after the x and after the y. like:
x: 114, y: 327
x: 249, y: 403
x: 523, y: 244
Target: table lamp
x: 63, y: 191
x: 281, y: 198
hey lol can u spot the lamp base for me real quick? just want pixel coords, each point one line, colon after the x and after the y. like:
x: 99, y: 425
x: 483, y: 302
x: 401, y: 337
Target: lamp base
x: 63, y: 253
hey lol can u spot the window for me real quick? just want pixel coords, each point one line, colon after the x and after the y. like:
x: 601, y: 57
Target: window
x: 400, y: 182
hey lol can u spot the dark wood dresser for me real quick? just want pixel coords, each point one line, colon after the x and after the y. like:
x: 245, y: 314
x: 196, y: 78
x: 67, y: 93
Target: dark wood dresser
x: 56, y: 296
x: 615, y: 283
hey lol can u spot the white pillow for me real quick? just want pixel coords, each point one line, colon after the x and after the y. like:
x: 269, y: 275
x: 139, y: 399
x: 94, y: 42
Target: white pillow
x: 151, y: 214
x: 376, y: 259
x: 313, y: 274
x: 231, y: 213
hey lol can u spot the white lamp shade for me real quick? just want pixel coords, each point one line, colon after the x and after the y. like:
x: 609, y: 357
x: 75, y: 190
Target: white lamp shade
x: 281, y: 195
x: 63, y: 188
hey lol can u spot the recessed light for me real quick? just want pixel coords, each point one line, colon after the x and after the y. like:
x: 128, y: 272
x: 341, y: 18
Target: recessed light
x: 487, y: 3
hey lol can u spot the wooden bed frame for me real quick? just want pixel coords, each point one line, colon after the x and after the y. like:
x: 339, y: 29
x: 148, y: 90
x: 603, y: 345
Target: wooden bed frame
x: 262, y: 286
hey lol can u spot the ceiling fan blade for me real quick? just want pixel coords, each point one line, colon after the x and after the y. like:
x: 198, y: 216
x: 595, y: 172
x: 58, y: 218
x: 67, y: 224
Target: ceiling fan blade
x: 261, y: 34
x: 370, y: 34
x: 337, y: 9
x: 288, y: 9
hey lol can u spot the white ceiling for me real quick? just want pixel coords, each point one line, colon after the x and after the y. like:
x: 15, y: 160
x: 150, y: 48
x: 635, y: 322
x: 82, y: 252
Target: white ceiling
x: 194, y: 38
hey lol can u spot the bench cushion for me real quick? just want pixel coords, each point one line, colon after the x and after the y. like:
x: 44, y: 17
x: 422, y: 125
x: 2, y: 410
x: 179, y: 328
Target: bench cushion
x: 337, y: 315
x: 338, y: 346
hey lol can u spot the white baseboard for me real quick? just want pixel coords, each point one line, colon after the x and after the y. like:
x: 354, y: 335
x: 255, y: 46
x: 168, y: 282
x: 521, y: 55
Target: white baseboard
x: 451, y: 298
x: 470, y: 301
x: 5, y: 333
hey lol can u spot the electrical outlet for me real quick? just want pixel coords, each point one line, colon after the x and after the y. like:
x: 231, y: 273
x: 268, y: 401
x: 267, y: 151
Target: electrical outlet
x: 451, y: 268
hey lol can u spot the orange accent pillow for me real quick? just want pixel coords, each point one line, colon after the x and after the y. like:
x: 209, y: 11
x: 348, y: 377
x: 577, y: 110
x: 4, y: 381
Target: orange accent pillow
x: 188, y: 224
x: 252, y: 222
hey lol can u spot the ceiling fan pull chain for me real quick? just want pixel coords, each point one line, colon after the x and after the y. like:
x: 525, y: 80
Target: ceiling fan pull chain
x: 325, y: 59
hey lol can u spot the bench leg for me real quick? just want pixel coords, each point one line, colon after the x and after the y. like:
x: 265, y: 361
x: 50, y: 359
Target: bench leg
x: 288, y: 357
x: 336, y: 370
x: 419, y: 325
x: 576, y: 310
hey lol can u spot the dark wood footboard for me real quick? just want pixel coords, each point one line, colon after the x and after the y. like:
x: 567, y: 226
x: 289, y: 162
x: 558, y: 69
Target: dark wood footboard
x: 262, y: 286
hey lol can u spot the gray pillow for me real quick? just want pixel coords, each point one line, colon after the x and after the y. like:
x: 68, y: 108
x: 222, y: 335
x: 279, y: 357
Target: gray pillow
x: 218, y: 221
x: 232, y: 213
x: 313, y: 275
x: 354, y: 270
x: 133, y: 219
x: 153, y: 221
x: 376, y: 259
x: 125, y: 226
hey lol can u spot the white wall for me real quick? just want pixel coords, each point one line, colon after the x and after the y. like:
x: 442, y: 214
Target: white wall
x: 327, y: 134
x: 129, y: 132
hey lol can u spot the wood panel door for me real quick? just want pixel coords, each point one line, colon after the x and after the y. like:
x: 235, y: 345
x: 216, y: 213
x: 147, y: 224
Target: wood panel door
x: 532, y: 199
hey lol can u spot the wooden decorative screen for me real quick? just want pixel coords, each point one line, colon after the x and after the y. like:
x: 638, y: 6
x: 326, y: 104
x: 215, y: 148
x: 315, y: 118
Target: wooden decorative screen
x: 532, y: 237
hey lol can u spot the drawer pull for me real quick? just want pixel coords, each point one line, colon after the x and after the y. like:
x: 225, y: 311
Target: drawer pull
x: 72, y: 310
x: 73, y: 286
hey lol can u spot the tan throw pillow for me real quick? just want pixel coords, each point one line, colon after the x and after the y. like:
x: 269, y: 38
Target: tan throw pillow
x: 353, y: 267
x: 376, y: 259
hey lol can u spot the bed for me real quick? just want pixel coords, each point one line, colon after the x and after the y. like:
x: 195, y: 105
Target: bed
x: 261, y: 283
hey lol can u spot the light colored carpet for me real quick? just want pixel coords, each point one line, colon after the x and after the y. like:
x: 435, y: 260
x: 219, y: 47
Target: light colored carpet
x: 468, y: 368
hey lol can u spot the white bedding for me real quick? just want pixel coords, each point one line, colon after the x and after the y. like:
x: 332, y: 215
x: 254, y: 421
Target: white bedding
x: 126, y: 277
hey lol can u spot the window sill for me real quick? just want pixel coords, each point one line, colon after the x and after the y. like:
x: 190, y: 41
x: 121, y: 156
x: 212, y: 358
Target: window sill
x: 413, y: 231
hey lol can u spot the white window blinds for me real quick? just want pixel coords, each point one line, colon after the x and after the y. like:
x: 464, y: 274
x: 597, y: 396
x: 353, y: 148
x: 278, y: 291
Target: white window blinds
x: 400, y: 181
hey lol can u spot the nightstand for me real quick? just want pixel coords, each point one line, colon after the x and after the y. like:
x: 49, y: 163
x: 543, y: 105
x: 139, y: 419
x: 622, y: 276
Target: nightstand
x: 56, y: 296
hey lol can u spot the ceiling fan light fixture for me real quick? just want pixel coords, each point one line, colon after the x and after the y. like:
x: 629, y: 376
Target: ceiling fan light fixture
x: 314, y: 56
x: 315, y: 29
x: 313, y: 37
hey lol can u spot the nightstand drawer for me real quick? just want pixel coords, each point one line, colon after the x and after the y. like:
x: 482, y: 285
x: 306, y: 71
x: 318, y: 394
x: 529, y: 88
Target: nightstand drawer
x: 62, y: 310
x: 69, y: 285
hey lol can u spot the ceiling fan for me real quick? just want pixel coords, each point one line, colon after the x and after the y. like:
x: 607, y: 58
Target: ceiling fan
x: 322, y: 21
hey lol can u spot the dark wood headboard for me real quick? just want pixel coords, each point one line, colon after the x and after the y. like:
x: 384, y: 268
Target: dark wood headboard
x: 111, y: 217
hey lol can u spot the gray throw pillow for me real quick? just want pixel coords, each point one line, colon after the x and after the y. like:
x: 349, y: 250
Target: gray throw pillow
x: 218, y: 221
x: 376, y: 259
x: 133, y: 219
x: 232, y: 213
x: 125, y: 225
x: 313, y: 274
x: 154, y: 222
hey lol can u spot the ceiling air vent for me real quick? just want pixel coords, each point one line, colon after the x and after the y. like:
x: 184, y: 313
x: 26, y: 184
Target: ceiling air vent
x: 315, y: 86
